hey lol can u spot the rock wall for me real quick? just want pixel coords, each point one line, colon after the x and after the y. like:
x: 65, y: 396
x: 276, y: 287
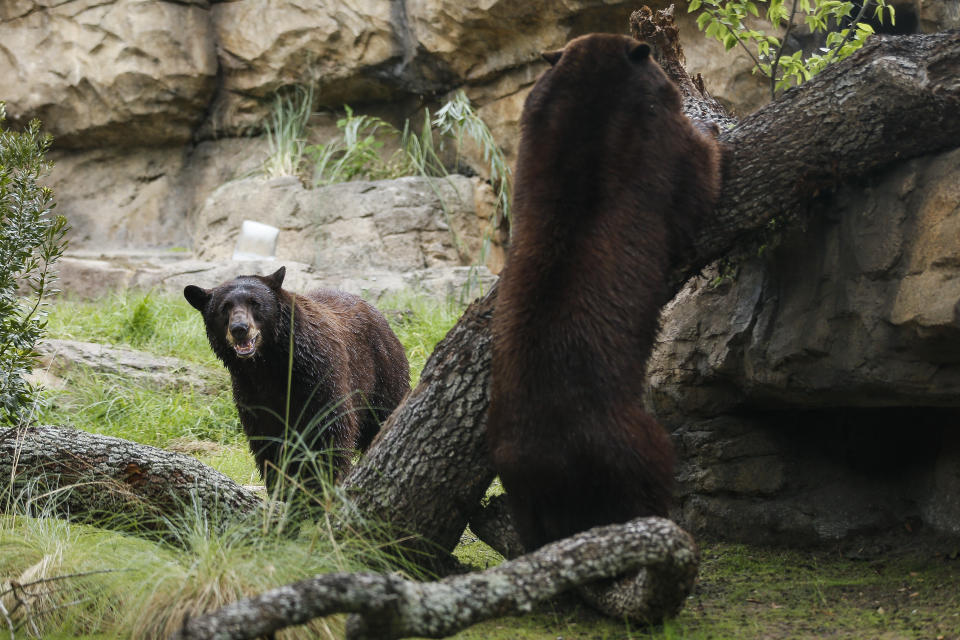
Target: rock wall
x: 818, y: 393
x: 150, y: 101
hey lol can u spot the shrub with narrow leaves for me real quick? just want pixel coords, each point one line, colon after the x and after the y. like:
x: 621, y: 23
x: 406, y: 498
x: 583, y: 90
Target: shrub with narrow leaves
x: 31, y: 241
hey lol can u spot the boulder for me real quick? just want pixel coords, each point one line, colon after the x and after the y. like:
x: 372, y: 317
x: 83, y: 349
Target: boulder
x: 143, y: 197
x: 825, y: 377
x: 59, y: 357
x: 398, y: 225
x: 112, y: 73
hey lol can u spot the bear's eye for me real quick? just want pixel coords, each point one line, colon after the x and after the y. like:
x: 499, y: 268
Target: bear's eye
x: 253, y: 303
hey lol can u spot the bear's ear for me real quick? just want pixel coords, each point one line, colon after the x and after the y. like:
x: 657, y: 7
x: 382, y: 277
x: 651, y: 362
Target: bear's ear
x: 275, y: 279
x: 552, y: 56
x: 640, y: 52
x: 197, y: 297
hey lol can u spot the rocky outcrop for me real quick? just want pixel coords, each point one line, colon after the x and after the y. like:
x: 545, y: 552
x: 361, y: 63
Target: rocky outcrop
x: 820, y: 388
x: 59, y: 357
x: 92, y: 274
x: 109, y: 74
x: 146, y: 99
x: 395, y: 225
x: 132, y: 73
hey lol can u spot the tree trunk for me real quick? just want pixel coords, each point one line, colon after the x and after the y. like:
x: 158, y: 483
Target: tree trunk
x: 428, y: 468
x: 53, y: 471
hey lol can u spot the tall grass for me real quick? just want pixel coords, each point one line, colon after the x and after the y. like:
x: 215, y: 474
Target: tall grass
x: 286, y: 132
x: 161, y: 323
x: 95, y: 583
x: 83, y: 581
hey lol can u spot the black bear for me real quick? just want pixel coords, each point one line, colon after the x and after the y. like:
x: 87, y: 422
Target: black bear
x: 612, y: 180
x: 349, y: 371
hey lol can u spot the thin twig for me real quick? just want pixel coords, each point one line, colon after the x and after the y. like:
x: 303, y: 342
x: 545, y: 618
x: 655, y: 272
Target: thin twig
x: 851, y: 29
x: 6, y: 616
x: 783, y: 43
x: 756, y: 62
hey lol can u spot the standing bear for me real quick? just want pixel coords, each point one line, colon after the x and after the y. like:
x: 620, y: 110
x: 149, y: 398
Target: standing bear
x: 612, y: 181
x: 349, y: 372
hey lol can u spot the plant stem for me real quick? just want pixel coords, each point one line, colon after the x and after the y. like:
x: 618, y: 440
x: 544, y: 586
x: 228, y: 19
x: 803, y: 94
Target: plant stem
x: 756, y: 62
x: 851, y: 30
x: 783, y: 43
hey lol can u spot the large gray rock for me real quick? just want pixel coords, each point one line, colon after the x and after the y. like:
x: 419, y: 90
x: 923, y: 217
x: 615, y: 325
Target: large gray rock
x: 351, y: 50
x: 116, y: 198
x: 59, y: 357
x: 819, y: 391
x: 397, y: 225
x: 115, y: 73
x: 91, y: 275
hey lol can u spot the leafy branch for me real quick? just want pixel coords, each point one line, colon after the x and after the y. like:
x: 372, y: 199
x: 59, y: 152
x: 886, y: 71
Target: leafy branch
x: 31, y: 241
x: 726, y: 22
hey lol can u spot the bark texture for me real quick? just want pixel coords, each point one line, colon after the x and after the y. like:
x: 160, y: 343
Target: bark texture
x: 895, y: 99
x: 387, y: 606
x: 428, y: 468
x: 97, y: 479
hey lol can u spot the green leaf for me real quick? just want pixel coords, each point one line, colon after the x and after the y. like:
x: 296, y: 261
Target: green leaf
x: 694, y: 5
x: 703, y: 19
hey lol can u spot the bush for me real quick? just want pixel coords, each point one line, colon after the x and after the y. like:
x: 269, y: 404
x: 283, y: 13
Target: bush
x: 31, y: 240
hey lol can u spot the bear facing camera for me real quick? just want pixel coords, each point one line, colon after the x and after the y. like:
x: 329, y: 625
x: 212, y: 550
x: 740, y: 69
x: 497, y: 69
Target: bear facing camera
x: 349, y: 372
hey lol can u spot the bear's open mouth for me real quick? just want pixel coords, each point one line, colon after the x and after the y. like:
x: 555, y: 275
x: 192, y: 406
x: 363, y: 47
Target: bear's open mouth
x: 248, y: 347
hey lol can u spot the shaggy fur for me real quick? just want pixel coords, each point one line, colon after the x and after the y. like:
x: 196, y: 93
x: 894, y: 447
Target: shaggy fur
x: 349, y: 371
x: 612, y: 180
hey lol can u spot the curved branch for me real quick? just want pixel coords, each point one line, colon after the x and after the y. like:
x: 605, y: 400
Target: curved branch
x: 388, y: 606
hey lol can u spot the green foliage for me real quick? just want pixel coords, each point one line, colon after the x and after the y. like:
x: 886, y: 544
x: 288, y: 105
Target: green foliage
x: 457, y: 119
x: 726, y: 21
x: 31, y: 241
x: 286, y: 132
x: 357, y: 154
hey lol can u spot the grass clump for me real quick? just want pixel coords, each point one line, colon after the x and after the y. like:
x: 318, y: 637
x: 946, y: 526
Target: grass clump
x: 161, y: 323
x: 420, y: 323
x: 88, y: 582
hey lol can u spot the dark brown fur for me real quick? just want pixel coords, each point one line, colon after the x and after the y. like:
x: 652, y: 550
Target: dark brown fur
x: 611, y: 182
x: 349, y: 371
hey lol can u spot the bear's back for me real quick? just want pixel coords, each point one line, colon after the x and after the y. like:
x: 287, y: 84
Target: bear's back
x: 611, y: 182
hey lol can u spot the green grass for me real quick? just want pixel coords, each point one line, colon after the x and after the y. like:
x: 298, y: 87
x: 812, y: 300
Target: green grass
x: 743, y: 592
x: 161, y: 323
x: 420, y: 323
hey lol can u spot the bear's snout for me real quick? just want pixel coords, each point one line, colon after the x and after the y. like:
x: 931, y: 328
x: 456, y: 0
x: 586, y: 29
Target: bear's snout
x: 239, y: 331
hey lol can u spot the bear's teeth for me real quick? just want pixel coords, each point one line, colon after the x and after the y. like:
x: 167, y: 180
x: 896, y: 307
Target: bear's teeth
x: 245, y: 348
